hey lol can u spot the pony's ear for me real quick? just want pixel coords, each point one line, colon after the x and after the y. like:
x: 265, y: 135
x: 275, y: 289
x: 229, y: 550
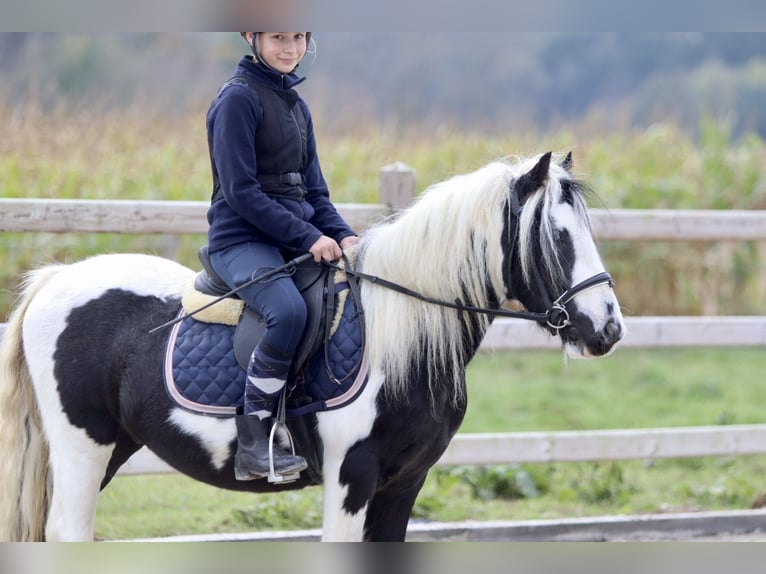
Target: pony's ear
x: 533, y: 180
x: 567, y: 163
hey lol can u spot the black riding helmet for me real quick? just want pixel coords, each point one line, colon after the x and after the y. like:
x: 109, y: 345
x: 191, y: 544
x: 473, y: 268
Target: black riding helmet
x: 254, y: 47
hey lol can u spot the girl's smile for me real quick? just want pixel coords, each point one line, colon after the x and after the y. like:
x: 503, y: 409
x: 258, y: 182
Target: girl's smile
x: 281, y: 51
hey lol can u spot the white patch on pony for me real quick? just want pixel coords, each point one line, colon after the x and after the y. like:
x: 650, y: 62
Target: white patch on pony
x: 340, y: 430
x: 215, y: 435
x: 144, y: 275
x: 77, y: 284
x: 77, y: 462
x: 338, y: 526
x: 78, y: 465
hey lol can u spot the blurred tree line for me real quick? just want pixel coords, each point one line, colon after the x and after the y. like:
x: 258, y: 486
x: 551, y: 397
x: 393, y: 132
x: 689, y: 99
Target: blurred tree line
x: 486, y: 80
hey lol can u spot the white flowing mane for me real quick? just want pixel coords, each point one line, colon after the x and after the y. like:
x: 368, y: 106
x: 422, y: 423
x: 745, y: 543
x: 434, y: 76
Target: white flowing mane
x: 447, y: 245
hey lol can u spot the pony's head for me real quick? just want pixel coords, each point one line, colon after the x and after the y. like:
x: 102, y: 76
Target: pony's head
x: 507, y: 231
x: 548, y: 237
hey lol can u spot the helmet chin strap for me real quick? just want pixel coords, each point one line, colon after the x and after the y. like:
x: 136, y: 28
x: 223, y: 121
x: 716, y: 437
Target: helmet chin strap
x: 254, y: 48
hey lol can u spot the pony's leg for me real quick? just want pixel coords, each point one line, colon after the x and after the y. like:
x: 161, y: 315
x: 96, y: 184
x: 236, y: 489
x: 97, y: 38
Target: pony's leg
x: 78, y: 465
x: 77, y: 462
x: 356, y: 507
x: 345, y: 503
x: 388, y: 513
x: 349, y: 474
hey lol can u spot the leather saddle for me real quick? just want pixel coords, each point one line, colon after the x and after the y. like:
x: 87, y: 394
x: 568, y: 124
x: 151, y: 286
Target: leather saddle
x: 316, y: 284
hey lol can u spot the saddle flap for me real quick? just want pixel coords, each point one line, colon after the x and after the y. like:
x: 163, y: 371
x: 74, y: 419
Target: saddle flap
x: 313, y: 281
x: 249, y: 331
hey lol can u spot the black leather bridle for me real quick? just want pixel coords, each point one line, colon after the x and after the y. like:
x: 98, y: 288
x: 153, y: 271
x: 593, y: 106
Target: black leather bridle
x: 556, y: 316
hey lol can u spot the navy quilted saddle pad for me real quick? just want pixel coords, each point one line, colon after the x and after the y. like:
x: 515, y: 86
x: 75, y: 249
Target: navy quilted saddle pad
x: 202, y: 374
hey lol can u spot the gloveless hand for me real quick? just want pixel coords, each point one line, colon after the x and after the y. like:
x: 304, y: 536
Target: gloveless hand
x: 349, y: 241
x: 325, y: 248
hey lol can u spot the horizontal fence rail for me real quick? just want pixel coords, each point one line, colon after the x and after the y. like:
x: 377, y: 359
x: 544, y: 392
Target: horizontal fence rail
x: 566, y: 446
x: 642, y: 332
x: 126, y: 216
x: 182, y: 217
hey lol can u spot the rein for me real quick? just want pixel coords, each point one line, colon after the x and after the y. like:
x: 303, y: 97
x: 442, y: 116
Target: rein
x: 556, y: 316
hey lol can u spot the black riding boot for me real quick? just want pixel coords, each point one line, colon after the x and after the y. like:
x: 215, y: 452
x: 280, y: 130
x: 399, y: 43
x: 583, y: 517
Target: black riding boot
x: 252, y: 458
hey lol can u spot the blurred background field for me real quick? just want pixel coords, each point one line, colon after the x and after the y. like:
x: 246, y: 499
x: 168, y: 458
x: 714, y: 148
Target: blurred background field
x: 672, y: 121
x: 134, y: 154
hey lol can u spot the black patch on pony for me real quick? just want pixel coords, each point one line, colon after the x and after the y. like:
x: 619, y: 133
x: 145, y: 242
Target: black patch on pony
x: 116, y: 327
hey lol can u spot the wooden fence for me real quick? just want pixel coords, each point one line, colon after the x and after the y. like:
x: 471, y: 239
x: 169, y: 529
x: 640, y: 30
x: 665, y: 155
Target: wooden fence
x: 397, y: 190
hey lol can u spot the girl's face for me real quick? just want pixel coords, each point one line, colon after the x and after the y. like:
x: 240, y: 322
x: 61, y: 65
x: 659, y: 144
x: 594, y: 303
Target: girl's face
x: 281, y: 50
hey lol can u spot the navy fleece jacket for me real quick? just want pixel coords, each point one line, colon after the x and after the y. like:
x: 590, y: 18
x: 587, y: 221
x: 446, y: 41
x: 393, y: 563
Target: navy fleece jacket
x: 246, y: 213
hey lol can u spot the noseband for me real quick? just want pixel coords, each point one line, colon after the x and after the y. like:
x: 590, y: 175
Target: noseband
x: 556, y: 316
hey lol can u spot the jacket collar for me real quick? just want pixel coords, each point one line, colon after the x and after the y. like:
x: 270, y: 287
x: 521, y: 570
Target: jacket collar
x: 266, y: 75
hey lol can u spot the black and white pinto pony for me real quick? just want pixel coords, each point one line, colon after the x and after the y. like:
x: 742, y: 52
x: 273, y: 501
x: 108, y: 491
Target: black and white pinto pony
x: 81, y: 387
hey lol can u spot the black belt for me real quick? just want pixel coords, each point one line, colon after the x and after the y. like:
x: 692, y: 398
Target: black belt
x: 292, y: 178
x: 283, y: 185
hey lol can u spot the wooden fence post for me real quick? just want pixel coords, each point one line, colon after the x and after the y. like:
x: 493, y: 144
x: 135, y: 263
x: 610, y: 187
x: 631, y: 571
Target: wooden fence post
x: 397, y: 186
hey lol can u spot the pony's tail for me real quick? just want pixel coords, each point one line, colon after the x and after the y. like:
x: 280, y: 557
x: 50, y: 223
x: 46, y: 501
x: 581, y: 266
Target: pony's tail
x: 25, y: 485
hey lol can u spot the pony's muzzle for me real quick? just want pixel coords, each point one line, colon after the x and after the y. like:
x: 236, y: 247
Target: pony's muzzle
x: 606, y: 338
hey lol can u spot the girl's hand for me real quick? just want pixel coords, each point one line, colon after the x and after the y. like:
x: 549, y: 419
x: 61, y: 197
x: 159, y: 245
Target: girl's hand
x: 325, y: 248
x: 349, y: 241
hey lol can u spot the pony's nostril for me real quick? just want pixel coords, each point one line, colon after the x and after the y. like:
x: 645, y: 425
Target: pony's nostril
x: 612, y: 332
x: 612, y: 328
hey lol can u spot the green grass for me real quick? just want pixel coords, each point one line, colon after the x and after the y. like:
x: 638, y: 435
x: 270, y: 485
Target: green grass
x: 527, y: 391
x: 514, y: 392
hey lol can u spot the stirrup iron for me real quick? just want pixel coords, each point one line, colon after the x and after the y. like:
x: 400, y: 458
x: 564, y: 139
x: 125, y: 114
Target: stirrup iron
x: 273, y: 477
